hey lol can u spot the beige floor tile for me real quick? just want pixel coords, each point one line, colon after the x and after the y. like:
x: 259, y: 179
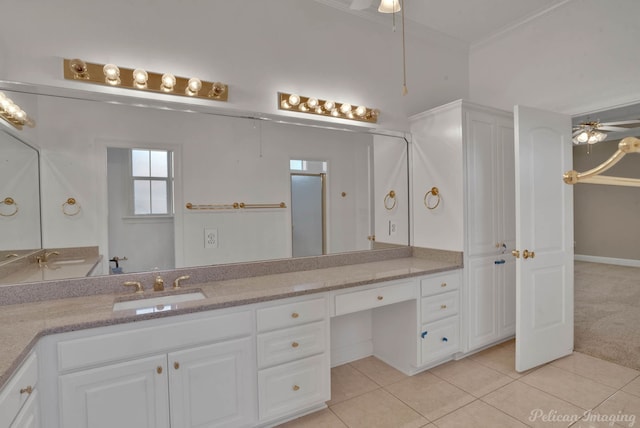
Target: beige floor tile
x: 601, y: 371
x: 575, y: 389
x: 633, y: 387
x: 378, y: 371
x: 500, y: 358
x: 347, y: 382
x: 622, y: 407
x: 478, y: 414
x: 471, y: 376
x: 321, y: 419
x: 377, y: 409
x: 532, y: 406
x: 429, y: 395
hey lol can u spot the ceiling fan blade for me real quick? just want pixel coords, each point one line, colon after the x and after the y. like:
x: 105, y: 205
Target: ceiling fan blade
x: 623, y: 123
x: 615, y: 128
x: 360, y: 4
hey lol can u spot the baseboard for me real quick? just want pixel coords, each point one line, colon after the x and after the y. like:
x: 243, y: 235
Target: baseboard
x: 346, y: 354
x: 607, y: 260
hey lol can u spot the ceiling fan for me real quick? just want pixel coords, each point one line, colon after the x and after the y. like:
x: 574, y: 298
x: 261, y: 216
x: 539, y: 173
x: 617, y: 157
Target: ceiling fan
x: 592, y: 132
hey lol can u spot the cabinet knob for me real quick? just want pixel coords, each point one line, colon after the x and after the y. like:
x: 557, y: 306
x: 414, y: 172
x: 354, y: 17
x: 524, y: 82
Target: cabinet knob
x: 295, y: 387
x: 27, y: 390
x: 443, y: 306
x: 444, y: 339
x: 176, y: 365
x: 444, y: 284
x: 159, y: 369
x: 380, y: 297
x: 295, y: 344
x: 295, y: 315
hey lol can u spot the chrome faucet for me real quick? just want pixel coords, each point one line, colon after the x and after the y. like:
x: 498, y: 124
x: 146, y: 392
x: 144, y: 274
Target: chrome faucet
x: 45, y: 257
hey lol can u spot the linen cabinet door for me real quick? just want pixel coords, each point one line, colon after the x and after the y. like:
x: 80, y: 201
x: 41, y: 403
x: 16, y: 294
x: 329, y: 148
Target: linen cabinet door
x: 132, y: 394
x: 213, y: 385
x: 507, y: 281
x: 483, y: 302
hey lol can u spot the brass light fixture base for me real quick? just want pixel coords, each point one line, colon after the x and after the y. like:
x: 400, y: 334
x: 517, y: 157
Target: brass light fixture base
x: 326, y: 108
x: 81, y: 71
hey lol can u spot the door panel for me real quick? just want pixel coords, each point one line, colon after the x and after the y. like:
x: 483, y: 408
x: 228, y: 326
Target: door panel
x: 544, y: 226
x: 307, y: 215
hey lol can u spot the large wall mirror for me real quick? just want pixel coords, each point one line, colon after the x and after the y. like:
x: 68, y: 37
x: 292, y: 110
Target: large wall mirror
x: 155, y: 186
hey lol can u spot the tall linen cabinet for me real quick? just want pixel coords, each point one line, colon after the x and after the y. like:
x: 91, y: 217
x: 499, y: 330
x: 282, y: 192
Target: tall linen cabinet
x: 467, y: 152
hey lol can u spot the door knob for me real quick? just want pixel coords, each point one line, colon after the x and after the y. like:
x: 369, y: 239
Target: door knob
x: 516, y: 254
x: 528, y: 254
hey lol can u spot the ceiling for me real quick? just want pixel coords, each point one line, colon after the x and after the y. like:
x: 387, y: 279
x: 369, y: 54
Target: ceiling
x: 470, y: 21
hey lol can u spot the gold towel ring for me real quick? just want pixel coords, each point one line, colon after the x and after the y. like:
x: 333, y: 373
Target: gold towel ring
x: 69, y: 203
x: 390, y: 196
x: 9, y: 201
x: 433, y: 192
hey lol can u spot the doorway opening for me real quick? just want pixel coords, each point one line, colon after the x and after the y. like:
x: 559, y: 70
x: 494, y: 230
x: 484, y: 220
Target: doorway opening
x: 308, y: 208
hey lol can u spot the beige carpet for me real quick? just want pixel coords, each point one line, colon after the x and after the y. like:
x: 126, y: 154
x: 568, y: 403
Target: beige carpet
x: 607, y: 312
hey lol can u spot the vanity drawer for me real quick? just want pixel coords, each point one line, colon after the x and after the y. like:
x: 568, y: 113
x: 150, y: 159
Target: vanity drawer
x: 293, y: 386
x: 291, y: 314
x: 442, y: 338
x: 374, y: 297
x: 290, y: 344
x: 18, y: 390
x: 440, y: 283
x: 440, y: 306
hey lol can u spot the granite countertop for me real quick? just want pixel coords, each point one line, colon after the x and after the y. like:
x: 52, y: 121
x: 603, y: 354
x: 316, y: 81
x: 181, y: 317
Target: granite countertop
x: 21, y: 325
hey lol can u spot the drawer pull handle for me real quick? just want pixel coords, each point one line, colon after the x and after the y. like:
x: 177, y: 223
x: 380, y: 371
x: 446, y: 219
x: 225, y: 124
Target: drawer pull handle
x: 295, y: 315
x: 295, y: 387
x: 27, y: 390
x: 176, y: 365
x: 444, y: 339
x: 380, y: 297
x: 444, y: 284
x: 295, y: 344
x: 424, y: 334
x: 159, y: 369
x: 443, y: 306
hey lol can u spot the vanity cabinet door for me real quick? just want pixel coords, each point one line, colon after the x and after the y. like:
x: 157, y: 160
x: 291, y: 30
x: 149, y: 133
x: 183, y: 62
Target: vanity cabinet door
x: 132, y: 394
x: 29, y: 416
x: 213, y: 386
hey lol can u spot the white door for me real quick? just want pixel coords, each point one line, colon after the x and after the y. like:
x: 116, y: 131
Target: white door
x: 213, y: 385
x: 544, y: 237
x: 307, y: 214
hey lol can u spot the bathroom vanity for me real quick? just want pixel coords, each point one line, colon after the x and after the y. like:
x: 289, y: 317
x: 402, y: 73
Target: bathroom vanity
x: 255, y: 351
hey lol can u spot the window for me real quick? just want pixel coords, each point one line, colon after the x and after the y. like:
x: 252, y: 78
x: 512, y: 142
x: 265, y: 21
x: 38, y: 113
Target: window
x: 152, y: 179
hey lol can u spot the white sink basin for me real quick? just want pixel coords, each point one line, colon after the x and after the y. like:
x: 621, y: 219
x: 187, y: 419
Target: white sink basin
x: 157, y: 304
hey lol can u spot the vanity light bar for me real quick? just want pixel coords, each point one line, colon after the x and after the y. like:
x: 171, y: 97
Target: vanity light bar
x: 12, y: 113
x: 311, y: 105
x: 142, y: 80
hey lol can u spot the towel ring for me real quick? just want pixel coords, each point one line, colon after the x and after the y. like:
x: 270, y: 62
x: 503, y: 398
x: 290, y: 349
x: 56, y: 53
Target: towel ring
x: 391, y: 196
x: 433, y: 192
x: 9, y: 201
x: 70, y: 203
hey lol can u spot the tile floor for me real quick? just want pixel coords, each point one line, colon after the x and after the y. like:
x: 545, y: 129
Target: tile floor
x: 483, y: 391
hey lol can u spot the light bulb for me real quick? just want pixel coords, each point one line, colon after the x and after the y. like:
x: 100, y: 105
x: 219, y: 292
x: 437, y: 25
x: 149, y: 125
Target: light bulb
x: 20, y: 115
x: 79, y: 68
x: 193, y: 86
x: 294, y: 100
x: 319, y: 110
x: 361, y: 111
x: 140, y: 77
x: 12, y: 109
x: 329, y: 105
x: 335, y: 112
x: 285, y: 105
x: 389, y: 6
x: 303, y: 107
x: 111, y: 74
x: 582, y: 137
x: 168, y: 82
x: 345, y: 108
x: 350, y: 115
x: 217, y: 89
x: 312, y: 102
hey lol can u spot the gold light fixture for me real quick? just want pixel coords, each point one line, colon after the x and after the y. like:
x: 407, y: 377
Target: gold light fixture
x: 142, y: 80
x: 588, y: 133
x: 312, y: 105
x: 13, y: 114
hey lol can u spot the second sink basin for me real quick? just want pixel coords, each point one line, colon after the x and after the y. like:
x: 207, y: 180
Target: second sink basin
x: 156, y: 304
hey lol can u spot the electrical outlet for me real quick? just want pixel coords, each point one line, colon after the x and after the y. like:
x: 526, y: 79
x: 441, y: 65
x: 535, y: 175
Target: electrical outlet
x: 393, y: 228
x: 211, y: 238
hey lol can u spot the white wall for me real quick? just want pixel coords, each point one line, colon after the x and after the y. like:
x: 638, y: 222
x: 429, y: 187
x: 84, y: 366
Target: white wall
x: 580, y: 57
x: 258, y: 47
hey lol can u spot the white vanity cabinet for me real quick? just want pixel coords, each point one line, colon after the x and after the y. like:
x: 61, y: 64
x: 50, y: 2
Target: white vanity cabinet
x: 19, y: 401
x: 123, y: 379
x: 467, y: 151
x: 293, y: 362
